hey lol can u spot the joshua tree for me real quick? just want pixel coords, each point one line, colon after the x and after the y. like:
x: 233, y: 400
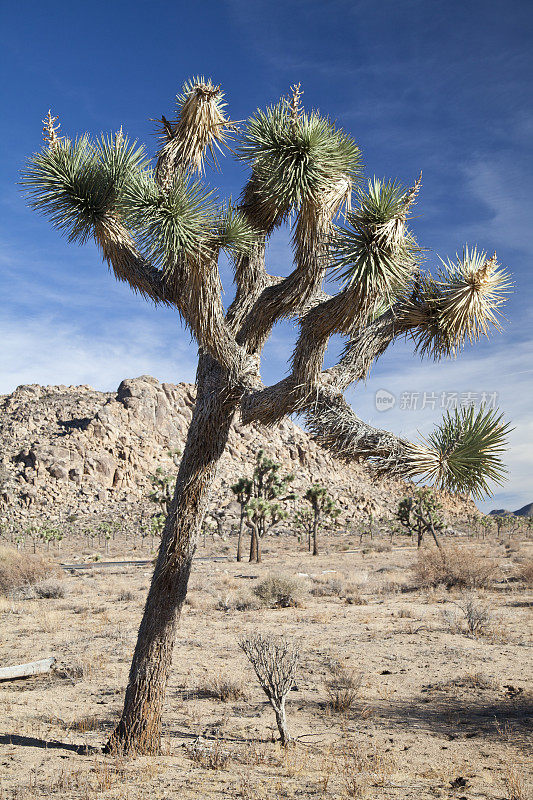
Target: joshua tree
x: 262, y: 516
x: 162, y: 490
x: 419, y: 514
x: 260, y: 498
x: 323, y: 506
x: 161, y: 230
x: 243, y: 491
x: 499, y: 519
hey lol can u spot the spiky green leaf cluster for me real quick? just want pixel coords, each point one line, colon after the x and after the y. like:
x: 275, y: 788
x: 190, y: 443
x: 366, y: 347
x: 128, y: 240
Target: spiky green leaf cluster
x: 472, y: 290
x: 292, y: 163
x: 374, y: 252
x: 76, y: 183
x: 463, y: 453
x: 459, y: 306
x: 166, y: 224
x: 321, y: 500
x: 233, y: 232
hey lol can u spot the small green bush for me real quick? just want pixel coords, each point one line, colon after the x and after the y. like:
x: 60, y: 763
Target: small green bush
x: 279, y: 591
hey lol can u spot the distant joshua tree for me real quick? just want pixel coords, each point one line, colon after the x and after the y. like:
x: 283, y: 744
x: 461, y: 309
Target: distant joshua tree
x: 243, y: 491
x: 323, y: 506
x: 419, y: 514
x: 261, y: 499
x: 161, y: 230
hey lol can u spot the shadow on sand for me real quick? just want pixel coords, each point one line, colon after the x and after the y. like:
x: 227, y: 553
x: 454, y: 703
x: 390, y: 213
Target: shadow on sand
x: 30, y: 741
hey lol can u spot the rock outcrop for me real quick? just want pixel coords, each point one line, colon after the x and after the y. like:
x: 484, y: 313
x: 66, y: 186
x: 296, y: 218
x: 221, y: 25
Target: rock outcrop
x: 74, y: 450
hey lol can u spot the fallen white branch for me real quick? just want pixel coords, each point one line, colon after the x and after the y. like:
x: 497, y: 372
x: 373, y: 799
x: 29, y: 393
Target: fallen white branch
x: 25, y: 670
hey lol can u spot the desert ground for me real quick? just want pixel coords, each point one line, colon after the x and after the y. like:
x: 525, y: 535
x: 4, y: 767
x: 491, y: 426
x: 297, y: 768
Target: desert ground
x: 394, y: 697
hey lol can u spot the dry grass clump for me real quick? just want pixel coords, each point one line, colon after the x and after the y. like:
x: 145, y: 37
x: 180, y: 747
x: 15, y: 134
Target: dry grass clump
x: 354, y: 597
x: 49, y: 590
x: 525, y: 573
x: 454, y: 567
x: 125, y: 595
x: 19, y: 570
x: 515, y: 787
x: 224, y: 687
x: 342, y: 686
x: 280, y: 591
x: 87, y: 723
x: 328, y: 587
x: 469, y: 616
x: 209, y: 755
x: 245, y: 601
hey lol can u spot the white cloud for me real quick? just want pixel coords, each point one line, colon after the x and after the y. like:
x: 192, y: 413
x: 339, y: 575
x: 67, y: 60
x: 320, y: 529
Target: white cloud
x: 46, y: 351
x: 501, y: 368
x: 500, y: 186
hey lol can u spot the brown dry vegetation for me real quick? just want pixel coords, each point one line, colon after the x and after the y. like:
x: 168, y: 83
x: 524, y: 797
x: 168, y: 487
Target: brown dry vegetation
x: 20, y: 570
x: 391, y: 701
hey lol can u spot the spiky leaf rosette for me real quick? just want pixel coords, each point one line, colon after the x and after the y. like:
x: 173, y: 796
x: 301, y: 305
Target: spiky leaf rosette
x: 375, y: 254
x: 473, y: 288
x: 76, y: 184
x: 293, y: 164
x: 463, y: 453
x: 201, y: 129
x: 233, y: 232
x: 171, y: 224
x: 459, y: 306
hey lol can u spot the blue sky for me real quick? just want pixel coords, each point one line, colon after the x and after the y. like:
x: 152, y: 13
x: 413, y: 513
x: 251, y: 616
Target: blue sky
x: 421, y: 84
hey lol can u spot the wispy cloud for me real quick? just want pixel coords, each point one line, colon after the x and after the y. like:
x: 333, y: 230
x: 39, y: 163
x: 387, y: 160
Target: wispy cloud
x: 48, y: 351
x: 508, y: 371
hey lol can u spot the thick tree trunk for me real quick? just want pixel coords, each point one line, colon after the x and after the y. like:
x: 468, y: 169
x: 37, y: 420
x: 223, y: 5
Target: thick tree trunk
x: 257, y: 548
x: 139, y: 729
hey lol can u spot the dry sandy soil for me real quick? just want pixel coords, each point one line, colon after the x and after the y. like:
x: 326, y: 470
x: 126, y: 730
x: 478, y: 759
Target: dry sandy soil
x: 439, y: 713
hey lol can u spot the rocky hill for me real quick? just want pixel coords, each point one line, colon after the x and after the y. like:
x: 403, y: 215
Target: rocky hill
x: 525, y: 511
x: 73, y: 450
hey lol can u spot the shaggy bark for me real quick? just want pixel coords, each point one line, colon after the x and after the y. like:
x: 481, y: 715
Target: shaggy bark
x: 139, y: 729
x: 315, y: 532
x: 241, y: 533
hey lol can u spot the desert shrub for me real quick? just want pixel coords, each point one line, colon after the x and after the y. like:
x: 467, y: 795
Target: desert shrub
x: 224, y: 687
x: 279, y: 591
x: 275, y: 660
x: 74, y: 671
x: 125, y: 595
x: 246, y: 601
x: 49, y: 590
x: 354, y: 598
x: 209, y: 755
x: 19, y: 570
x: 330, y: 587
x: 469, y: 616
x: 454, y: 567
x: 342, y: 686
x: 525, y: 572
